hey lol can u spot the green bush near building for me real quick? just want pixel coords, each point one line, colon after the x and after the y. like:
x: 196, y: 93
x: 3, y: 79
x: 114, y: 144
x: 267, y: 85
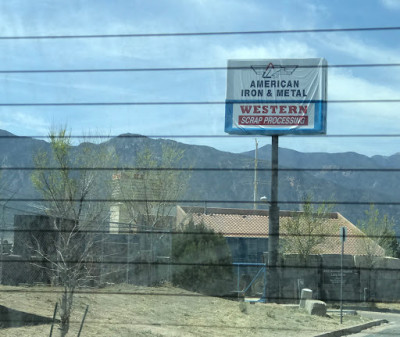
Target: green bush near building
x: 202, y: 261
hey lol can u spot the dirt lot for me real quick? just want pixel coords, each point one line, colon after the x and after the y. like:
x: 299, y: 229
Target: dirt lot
x: 164, y: 311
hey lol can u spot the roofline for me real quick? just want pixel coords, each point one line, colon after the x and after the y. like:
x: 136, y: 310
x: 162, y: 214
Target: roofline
x: 241, y: 211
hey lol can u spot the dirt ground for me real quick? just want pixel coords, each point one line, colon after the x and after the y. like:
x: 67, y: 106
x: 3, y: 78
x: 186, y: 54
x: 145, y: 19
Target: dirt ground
x: 125, y: 310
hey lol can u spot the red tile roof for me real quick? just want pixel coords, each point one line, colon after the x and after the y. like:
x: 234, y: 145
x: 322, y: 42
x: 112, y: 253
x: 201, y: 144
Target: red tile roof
x: 254, y: 224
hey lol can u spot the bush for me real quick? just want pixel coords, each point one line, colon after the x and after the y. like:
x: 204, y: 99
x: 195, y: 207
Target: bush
x: 202, y: 261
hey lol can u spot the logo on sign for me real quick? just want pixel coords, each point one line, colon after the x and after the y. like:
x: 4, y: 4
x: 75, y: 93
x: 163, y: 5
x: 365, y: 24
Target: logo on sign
x: 272, y: 71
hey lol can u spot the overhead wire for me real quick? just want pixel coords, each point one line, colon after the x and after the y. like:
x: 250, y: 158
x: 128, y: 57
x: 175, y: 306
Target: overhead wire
x: 139, y: 103
x: 188, y: 34
x: 193, y: 103
x: 143, y: 229
x: 202, y: 201
x: 174, y: 136
x: 174, y: 69
x: 202, y: 169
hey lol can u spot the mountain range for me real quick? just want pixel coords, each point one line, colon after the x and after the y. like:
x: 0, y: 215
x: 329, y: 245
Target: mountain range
x: 349, y: 181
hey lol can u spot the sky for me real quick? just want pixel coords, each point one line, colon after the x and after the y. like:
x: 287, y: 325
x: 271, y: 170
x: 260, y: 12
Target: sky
x: 201, y: 124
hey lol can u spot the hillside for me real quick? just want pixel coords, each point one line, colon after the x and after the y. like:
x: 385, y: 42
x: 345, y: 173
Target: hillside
x: 226, y: 179
x: 347, y: 178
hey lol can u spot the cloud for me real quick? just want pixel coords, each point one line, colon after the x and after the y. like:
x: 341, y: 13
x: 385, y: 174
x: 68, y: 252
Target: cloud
x: 360, y: 118
x: 154, y: 16
x: 391, y: 4
x: 27, y: 121
x: 62, y: 84
x: 367, y: 51
x: 345, y: 85
x: 281, y: 48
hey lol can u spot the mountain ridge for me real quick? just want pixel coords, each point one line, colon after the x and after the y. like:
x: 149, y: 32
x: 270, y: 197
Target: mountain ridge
x: 349, y: 179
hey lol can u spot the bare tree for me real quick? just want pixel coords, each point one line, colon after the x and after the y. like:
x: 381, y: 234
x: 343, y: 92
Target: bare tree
x: 70, y: 181
x: 3, y: 226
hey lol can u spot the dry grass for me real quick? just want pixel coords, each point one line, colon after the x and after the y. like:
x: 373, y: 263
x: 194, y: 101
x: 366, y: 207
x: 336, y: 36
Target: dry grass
x: 125, y: 310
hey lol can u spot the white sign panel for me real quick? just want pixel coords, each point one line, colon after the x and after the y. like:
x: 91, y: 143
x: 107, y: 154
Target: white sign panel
x: 276, y: 96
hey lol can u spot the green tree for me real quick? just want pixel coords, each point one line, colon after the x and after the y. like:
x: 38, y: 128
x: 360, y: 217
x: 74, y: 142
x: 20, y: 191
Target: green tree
x: 305, y: 231
x: 151, y: 190
x: 202, y: 260
x: 379, y: 233
x: 69, y: 180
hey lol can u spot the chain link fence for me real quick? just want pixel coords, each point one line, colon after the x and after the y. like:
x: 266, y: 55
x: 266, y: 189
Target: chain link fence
x: 137, y: 255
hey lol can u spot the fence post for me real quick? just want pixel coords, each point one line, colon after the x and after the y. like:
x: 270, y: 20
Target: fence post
x: 83, y: 320
x: 54, y: 317
x: 127, y: 258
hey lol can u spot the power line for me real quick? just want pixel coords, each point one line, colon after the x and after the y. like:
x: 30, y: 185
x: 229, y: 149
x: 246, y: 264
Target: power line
x: 110, y: 70
x: 203, y: 201
x: 23, y: 210
x: 11, y: 136
x: 138, y: 232
x: 189, y: 264
x: 202, y: 169
x: 352, y: 101
x: 143, y: 229
x: 188, y: 34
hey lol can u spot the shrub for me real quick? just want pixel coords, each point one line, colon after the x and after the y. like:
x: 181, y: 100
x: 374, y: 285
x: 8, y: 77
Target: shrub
x: 202, y: 261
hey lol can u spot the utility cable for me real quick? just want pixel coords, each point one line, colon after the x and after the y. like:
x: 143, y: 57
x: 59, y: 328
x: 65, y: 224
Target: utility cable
x: 149, y: 103
x: 203, y: 201
x: 132, y: 136
x: 202, y: 169
x: 173, y: 69
x: 215, y: 33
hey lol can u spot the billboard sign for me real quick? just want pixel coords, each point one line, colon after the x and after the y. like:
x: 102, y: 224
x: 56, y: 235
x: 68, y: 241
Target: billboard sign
x: 276, y: 96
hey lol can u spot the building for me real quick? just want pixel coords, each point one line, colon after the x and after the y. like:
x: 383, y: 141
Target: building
x: 36, y: 240
x: 366, y: 277
x: 246, y: 231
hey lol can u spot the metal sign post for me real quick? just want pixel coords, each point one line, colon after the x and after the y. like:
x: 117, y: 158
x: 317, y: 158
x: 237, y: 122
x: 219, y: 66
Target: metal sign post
x: 273, y: 235
x: 276, y: 97
x: 343, y: 235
